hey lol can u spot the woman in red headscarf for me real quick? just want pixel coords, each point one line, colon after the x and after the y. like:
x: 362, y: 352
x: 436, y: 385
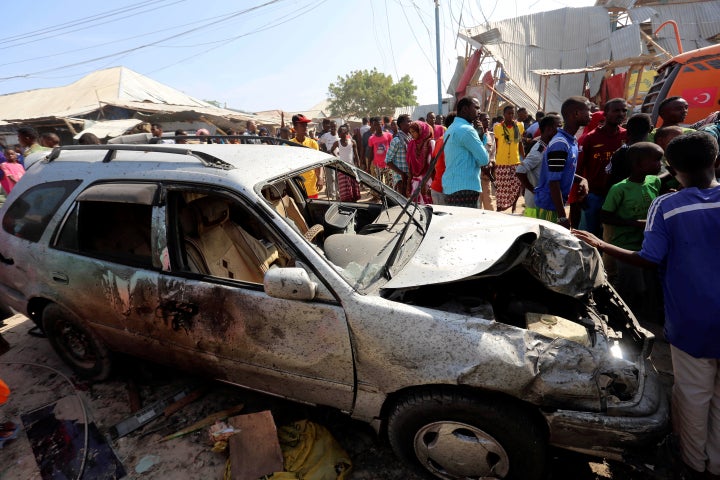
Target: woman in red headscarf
x: 419, y: 154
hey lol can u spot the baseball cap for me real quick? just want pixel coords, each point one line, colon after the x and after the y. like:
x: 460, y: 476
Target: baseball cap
x: 300, y: 118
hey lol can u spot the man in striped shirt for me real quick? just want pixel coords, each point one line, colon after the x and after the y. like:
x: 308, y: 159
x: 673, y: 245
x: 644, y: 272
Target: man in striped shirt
x: 557, y: 173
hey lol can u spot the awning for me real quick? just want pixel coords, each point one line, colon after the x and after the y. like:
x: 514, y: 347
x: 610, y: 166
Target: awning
x: 109, y: 128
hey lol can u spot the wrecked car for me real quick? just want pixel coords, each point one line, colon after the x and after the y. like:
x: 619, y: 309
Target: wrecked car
x: 474, y: 340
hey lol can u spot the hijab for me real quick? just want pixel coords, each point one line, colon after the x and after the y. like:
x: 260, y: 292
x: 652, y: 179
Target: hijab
x: 419, y: 150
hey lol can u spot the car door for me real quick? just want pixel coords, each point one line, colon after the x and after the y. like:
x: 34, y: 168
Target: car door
x: 213, y: 305
x: 104, y: 265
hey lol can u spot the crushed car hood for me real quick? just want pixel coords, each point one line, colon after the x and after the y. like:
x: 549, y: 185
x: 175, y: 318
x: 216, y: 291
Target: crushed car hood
x: 465, y: 242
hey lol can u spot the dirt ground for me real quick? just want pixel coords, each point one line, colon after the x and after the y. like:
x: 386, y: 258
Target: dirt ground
x: 191, y: 456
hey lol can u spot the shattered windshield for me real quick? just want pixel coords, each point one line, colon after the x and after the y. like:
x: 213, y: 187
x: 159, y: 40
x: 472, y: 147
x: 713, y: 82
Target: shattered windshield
x: 367, y: 231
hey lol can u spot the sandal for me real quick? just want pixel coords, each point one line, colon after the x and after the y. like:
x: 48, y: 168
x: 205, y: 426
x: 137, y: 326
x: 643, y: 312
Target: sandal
x: 8, y: 431
x: 36, y: 331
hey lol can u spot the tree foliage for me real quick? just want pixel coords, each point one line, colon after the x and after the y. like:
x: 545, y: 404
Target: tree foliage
x: 364, y: 93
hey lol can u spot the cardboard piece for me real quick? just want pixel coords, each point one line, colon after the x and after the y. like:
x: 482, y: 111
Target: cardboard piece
x: 255, y: 451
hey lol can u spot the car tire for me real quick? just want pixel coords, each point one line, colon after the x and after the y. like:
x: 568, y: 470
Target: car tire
x: 447, y: 434
x: 76, y: 343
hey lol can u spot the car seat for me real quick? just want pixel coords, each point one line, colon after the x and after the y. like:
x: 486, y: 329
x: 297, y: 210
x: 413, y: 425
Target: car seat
x: 286, y: 207
x: 219, y: 247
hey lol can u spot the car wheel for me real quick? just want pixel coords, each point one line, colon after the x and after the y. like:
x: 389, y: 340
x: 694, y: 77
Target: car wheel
x: 76, y: 343
x: 446, y: 434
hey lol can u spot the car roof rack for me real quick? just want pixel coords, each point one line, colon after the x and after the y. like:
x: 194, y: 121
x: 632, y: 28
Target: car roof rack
x: 267, y: 140
x: 205, y: 158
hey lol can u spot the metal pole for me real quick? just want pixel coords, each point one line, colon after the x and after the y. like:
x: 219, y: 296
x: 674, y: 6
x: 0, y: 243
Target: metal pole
x: 437, y: 45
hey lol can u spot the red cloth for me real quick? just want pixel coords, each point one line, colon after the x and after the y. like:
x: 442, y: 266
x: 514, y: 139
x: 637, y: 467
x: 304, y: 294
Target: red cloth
x: 439, y: 166
x: 4, y: 392
x: 595, y: 120
x: 614, y: 87
x: 468, y: 74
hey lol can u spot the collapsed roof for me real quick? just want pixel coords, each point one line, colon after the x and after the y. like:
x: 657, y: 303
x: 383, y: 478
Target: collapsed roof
x: 577, y: 38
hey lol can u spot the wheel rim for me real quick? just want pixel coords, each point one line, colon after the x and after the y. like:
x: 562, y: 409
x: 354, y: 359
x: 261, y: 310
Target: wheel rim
x: 457, y: 450
x: 77, y: 345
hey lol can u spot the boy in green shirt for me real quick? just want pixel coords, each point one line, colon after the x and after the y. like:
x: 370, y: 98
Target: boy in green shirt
x: 625, y: 208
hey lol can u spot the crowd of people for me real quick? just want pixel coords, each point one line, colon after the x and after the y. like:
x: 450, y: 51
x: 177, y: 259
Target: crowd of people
x: 646, y: 198
x: 12, y: 157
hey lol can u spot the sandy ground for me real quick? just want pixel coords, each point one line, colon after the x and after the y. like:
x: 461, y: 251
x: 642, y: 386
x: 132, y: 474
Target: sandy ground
x: 190, y: 457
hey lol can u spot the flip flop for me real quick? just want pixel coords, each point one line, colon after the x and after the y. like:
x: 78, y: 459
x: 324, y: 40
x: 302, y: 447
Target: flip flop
x: 37, y: 332
x: 8, y: 431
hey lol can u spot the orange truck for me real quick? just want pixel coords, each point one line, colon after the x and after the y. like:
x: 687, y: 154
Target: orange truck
x: 693, y: 75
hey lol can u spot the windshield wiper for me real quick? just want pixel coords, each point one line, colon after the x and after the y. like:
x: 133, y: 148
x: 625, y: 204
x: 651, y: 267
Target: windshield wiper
x: 396, y: 248
x: 418, y: 189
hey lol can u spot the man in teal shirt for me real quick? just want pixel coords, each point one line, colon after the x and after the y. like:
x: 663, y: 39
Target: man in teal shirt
x: 465, y: 154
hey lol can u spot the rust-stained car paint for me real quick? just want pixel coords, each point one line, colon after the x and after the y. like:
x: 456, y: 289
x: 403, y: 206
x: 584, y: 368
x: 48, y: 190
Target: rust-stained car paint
x: 393, y: 313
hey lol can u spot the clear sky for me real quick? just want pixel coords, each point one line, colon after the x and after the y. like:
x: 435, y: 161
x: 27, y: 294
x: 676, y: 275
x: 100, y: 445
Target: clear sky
x: 249, y: 54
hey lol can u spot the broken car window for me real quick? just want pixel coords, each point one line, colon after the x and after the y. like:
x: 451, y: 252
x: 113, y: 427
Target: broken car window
x: 29, y: 214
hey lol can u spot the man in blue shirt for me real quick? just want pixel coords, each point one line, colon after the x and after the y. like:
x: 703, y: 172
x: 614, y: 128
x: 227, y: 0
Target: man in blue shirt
x: 557, y: 173
x: 681, y: 235
x: 465, y: 154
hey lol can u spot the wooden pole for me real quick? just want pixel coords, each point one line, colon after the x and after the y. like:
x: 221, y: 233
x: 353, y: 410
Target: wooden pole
x: 649, y: 39
x: 638, y: 81
x: 540, y: 86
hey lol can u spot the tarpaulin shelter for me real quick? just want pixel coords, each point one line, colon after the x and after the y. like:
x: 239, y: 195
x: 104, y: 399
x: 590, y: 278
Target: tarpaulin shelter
x: 112, y: 94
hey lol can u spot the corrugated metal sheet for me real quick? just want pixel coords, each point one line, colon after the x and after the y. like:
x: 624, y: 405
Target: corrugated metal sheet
x: 626, y: 4
x: 641, y: 14
x: 459, y: 69
x: 519, y: 97
x: 624, y: 42
x: 708, y: 14
x: 418, y: 111
x: 581, y: 37
x: 576, y: 37
x: 696, y: 22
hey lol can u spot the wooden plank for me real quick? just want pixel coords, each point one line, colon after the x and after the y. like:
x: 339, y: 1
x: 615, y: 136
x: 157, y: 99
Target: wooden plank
x: 255, y: 450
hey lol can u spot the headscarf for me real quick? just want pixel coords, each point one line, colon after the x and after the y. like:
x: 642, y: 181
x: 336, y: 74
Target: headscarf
x: 419, y: 150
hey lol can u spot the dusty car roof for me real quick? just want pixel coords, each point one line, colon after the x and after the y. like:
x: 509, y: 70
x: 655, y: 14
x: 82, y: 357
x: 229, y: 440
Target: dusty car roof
x: 260, y: 162
x: 250, y: 164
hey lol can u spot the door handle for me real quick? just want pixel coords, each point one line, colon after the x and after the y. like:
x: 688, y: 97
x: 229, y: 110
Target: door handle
x: 60, y: 278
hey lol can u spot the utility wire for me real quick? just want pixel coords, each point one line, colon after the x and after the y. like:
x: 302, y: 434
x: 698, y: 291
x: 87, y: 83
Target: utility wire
x: 268, y: 26
x: 377, y: 35
x: 71, y: 23
x: 140, y: 47
x: 41, y: 37
x: 114, y: 41
x: 392, y: 50
x: 412, y: 31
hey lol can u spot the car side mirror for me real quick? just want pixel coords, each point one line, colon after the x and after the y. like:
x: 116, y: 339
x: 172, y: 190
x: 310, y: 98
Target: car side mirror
x: 289, y: 283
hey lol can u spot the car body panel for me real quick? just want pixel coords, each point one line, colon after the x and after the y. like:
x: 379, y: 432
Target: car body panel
x: 450, y: 311
x: 463, y: 242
